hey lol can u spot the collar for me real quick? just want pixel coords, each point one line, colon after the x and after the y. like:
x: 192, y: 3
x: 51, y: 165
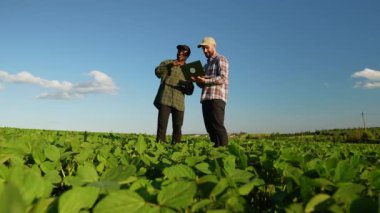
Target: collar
x: 212, y: 58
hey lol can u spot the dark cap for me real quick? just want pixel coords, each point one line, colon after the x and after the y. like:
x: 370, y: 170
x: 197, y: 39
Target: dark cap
x: 184, y: 47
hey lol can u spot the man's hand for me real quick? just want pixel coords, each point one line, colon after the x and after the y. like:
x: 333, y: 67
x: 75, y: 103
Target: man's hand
x: 178, y: 63
x: 198, y: 79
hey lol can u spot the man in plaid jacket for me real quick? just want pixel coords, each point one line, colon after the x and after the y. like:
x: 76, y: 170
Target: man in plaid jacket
x: 170, y: 98
x: 214, y: 92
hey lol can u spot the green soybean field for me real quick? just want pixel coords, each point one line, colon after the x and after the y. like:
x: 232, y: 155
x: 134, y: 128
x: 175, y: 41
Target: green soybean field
x: 68, y: 171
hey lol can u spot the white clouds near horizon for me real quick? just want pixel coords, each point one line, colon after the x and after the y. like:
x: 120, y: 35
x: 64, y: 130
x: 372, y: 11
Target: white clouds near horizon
x: 100, y: 83
x: 372, y: 79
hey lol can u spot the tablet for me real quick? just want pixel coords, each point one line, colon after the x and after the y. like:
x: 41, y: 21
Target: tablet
x: 194, y: 68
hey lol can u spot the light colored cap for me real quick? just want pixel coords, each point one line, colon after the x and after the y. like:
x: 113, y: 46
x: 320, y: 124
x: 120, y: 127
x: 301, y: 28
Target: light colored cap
x: 207, y: 41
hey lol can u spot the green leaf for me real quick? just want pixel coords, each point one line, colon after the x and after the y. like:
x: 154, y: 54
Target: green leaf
x: 177, y: 156
x: 374, y: 179
x: 52, y: 176
x: 105, y: 186
x: 87, y: 174
x: 356, y: 160
x: 238, y: 151
x: 294, y: 173
x: 247, y: 188
x: 48, y: 166
x: 295, y: 208
x: 344, y: 172
x: 235, y: 204
x: 348, y: 192
x: 243, y: 160
x: 204, y: 167
x: 43, y: 205
x: 207, y: 179
x: 119, y: 173
x: 291, y: 156
x: 318, y: 199
x: 178, y: 195
x: 219, y: 188
x: 125, y: 201
x: 141, y: 145
x: 78, y: 198
x: 38, y: 155
x: 331, y: 164
x: 84, y: 154
x: 100, y: 167
x: 192, y: 160
x: 179, y: 171
x: 144, y: 158
x: 233, y: 148
x: 30, y: 183
x: 323, y: 183
x: 145, y: 189
x: 73, y: 181
x: 52, y: 153
x: 4, y: 170
x: 318, y: 165
x: 239, y: 176
x: 11, y: 200
x: 167, y: 210
x: 4, y: 157
x: 201, y: 206
x: 229, y: 163
x: 307, y: 188
x: 101, y: 158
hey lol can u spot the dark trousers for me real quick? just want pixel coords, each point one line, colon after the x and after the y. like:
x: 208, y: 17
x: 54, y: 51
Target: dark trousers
x: 213, y: 116
x: 162, y: 124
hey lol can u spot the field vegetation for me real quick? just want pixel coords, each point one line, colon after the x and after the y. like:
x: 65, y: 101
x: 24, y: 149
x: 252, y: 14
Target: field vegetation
x: 65, y: 171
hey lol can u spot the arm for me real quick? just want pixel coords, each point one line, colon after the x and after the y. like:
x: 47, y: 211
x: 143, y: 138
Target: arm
x: 162, y: 69
x: 222, y: 78
x: 223, y: 70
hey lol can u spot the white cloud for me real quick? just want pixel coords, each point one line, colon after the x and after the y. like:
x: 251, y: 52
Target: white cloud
x: 61, y: 95
x: 100, y: 83
x: 372, y: 79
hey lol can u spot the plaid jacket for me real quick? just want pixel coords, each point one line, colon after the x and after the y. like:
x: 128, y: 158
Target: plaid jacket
x: 173, y: 86
x: 216, y: 74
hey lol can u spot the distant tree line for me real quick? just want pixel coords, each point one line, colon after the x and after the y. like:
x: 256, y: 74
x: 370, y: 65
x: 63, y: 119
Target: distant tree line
x: 353, y: 135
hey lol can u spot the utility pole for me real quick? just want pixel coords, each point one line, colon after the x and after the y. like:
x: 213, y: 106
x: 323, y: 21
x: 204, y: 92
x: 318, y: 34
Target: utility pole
x: 363, y: 121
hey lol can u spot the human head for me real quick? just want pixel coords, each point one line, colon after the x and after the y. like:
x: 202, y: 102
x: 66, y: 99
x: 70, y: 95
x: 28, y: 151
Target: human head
x: 183, y: 52
x: 185, y: 48
x: 208, y: 45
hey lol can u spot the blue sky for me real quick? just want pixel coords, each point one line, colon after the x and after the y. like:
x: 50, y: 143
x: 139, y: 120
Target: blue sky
x: 89, y: 65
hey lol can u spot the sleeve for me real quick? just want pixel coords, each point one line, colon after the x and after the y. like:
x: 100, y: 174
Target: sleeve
x: 162, y: 69
x: 221, y: 74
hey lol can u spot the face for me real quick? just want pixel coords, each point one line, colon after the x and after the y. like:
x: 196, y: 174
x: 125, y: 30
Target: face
x: 182, y: 55
x: 208, y: 50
